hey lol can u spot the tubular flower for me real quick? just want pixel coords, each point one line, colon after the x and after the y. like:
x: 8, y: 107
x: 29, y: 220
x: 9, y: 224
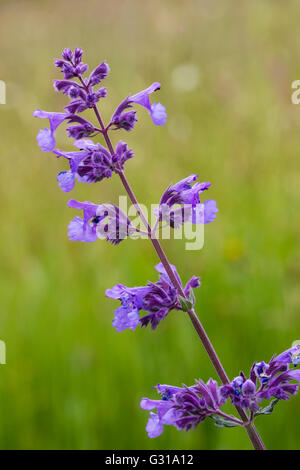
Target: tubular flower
x: 157, y: 299
x: 180, y: 203
x: 184, y: 407
x: 122, y: 119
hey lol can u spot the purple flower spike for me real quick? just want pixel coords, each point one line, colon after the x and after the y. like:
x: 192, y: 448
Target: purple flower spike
x: 157, y: 111
x: 46, y: 137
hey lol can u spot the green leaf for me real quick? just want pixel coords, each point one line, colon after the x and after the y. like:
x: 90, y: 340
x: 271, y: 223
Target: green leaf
x: 223, y: 422
x: 268, y: 409
x: 186, y: 304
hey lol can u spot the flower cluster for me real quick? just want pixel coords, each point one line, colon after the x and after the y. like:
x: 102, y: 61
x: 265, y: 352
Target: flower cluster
x: 180, y: 203
x: 105, y: 221
x: 82, y: 94
x: 157, y: 299
x: 186, y: 407
x: 264, y: 382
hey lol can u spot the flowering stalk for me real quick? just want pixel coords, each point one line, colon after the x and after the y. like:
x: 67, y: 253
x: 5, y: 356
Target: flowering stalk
x: 250, y: 428
x: 187, y: 406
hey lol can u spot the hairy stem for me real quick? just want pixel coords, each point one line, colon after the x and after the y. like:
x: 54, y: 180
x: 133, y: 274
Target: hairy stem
x: 250, y: 428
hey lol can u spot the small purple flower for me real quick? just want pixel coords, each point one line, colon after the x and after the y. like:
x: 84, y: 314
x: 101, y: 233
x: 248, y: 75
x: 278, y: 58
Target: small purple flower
x: 84, y: 229
x: 290, y: 356
x: 185, y: 194
x: 157, y: 299
x: 157, y: 111
x: 127, y: 316
x: 92, y: 163
x: 105, y: 221
x: 46, y: 137
x: 122, y: 119
x: 71, y: 65
x: 184, y: 407
x: 99, y: 74
x: 122, y: 154
x: 115, y: 226
x: 266, y: 381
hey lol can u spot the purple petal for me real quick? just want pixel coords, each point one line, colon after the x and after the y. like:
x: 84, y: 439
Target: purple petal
x: 154, y: 426
x: 66, y: 180
x: 78, y: 230
x: 55, y: 119
x: 158, y: 114
x: 46, y: 140
x: 185, y: 183
x: 193, y: 283
x: 116, y: 292
x: 125, y: 318
x: 294, y: 374
x: 210, y: 211
x: 142, y: 97
x: 147, y: 404
x: 89, y: 209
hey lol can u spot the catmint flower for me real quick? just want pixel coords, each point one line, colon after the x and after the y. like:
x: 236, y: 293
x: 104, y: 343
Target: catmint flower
x: 46, y: 137
x: 71, y: 65
x: 81, y: 98
x: 68, y: 87
x: 99, y: 74
x: 103, y: 221
x: 84, y: 229
x: 184, y: 407
x: 82, y: 94
x: 290, y: 356
x: 115, y: 226
x: 122, y: 154
x: 185, y: 194
x: 156, y: 299
x: 266, y: 380
x: 157, y: 111
x: 122, y: 119
x: 92, y: 163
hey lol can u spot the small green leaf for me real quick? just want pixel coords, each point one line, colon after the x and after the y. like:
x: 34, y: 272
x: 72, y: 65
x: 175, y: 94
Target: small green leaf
x: 268, y: 409
x: 223, y: 422
x: 186, y: 304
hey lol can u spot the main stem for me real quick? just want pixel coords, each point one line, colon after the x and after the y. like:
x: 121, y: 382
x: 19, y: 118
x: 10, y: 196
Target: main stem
x: 250, y: 428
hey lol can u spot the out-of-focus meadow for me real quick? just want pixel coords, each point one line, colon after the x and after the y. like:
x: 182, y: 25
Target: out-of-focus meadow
x: 226, y: 68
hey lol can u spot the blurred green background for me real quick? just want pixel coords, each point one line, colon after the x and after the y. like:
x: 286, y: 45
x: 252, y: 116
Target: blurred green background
x: 71, y: 381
